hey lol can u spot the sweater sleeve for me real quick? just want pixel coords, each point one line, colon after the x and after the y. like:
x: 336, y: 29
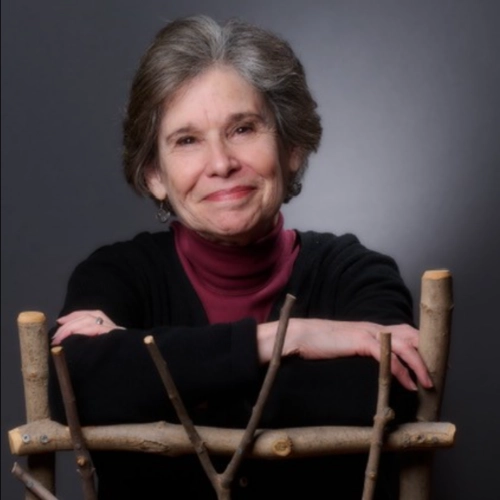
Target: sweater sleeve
x: 114, y: 378
x: 340, y: 279
x: 370, y: 288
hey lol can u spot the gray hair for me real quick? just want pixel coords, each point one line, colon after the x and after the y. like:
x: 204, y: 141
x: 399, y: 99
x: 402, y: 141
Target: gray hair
x: 185, y: 48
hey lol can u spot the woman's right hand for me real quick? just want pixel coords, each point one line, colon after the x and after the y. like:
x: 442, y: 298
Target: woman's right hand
x: 328, y: 339
x: 83, y: 322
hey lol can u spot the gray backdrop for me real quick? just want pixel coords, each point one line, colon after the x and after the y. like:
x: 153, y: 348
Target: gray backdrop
x: 409, y: 92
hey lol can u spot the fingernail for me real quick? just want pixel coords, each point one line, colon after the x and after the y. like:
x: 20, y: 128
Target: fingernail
x: 413, y: 386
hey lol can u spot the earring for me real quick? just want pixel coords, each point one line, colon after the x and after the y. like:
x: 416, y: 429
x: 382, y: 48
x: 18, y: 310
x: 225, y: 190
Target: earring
x: 293, y: 189
x: 163, y: 214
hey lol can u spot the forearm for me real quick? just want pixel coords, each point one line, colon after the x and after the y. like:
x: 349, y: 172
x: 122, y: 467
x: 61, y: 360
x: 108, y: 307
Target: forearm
x: 320, y: 339
x: 116, y: 381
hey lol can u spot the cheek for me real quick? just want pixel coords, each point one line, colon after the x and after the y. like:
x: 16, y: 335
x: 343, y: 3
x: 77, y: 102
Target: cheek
x: 179, y: 184
x: 268, y: 163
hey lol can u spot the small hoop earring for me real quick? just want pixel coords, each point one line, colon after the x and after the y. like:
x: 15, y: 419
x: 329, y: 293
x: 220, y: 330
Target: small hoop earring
x: 163, y: 215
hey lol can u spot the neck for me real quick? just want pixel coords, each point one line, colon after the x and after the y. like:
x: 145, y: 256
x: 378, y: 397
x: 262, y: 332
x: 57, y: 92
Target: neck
x: 251, y: 275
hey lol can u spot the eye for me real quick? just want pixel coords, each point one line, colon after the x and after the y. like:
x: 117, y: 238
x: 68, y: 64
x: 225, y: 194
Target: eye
x: 244, y: 128
x: 185, y: 140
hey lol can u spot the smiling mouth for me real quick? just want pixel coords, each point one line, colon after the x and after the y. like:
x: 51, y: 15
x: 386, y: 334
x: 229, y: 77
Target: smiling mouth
x: 235, y: 193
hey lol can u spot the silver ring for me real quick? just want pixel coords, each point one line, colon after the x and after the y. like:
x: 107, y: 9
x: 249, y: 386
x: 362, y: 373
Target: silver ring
x: 99, y: 320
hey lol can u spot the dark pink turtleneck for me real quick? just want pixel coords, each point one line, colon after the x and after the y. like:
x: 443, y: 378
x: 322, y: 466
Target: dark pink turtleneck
x: 235, y: 282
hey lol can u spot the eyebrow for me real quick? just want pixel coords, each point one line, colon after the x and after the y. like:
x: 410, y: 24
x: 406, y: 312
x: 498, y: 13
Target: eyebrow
x: 234, y: 118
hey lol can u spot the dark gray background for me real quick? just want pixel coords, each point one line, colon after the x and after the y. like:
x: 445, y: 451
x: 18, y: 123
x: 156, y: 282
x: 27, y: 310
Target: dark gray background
x: 409, y: 92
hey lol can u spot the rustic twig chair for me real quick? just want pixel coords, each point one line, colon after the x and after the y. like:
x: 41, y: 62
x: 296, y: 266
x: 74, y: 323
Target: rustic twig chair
x: 41, y: 437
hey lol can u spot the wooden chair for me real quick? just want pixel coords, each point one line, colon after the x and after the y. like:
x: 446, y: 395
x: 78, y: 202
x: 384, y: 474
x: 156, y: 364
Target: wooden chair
x: 40, y: 438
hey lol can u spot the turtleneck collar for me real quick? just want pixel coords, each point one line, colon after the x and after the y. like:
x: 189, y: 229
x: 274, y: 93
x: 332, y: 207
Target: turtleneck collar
x: 254, y: 272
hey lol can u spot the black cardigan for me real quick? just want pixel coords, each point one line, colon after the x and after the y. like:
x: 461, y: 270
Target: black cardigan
x: 142, y: 286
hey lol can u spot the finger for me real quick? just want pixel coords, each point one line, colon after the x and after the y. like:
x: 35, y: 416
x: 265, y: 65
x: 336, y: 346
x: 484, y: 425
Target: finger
x: 76, y: 318
x: 66, y: 331
x: 78, y: 321
x: 85, y: 325
x: 89, y: 331
x: 408, y: 334
x: 399, y: 371
x: 412, y: 358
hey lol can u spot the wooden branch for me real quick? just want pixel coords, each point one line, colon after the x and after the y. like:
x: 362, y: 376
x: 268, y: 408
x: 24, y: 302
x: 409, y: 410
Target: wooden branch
x: 436, y: 306
x: 82, y: 455
x: 248, y: 435
x: 33, y: 341
x: 31, y: 483
x: 222, y: 482
x: 383, y: 415
x: 171, y: 440
x: 187, y: 423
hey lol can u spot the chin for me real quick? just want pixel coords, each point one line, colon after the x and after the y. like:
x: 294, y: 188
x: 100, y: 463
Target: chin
x: 232, y: 228
x: 229, y: 237
x: 241, y: 235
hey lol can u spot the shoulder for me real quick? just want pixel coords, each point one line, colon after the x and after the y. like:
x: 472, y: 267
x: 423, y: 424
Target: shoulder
x: 144, y: 250
x: 345, y: 249
x: 354, y: 281
x: 342, y: 260
x: 316, y: 242
x: 330, y: 257
x: 142, y: 244
x: 344, y: 257
x: 121, y: 273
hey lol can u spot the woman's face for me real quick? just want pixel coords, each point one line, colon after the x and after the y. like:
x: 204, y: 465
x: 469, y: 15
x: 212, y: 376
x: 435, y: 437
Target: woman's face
x: 220, y: 164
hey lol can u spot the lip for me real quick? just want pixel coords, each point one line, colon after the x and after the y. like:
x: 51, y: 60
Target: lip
x: 234, y: 193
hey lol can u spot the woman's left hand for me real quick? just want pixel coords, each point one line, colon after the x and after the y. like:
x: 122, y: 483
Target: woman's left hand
x: 90, y: 323
x: 312, y: 338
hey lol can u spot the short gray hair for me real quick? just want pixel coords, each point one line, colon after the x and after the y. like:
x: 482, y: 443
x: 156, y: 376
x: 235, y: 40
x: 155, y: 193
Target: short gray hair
x: 185, y: 48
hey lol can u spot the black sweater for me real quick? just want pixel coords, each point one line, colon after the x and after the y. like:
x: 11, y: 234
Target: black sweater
x: 142, y: 286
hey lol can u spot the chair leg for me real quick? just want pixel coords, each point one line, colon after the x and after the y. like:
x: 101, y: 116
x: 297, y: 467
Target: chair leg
x: 436, y: 306
x: 416, y: 472
x: 35, y: 369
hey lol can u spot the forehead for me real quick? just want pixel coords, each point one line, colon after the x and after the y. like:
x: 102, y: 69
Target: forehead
x: 213, y: 93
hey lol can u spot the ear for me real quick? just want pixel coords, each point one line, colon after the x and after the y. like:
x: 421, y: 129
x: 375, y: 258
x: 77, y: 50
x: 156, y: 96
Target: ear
x: 154, y: 180
x: 295, y: 160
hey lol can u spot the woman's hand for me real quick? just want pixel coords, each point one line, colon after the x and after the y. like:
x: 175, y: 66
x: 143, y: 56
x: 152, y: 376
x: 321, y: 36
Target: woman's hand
x: 326, y: 339
x: 89, y: 323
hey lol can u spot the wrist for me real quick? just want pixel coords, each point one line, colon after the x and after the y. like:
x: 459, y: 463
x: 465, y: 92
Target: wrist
x: 266, y: 333
x: 266, y: 337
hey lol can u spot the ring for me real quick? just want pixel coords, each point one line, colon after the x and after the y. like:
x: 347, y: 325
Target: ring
x: 99, y: 320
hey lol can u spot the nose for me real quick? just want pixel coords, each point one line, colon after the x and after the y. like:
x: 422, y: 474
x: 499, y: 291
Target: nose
x: 222, y: 161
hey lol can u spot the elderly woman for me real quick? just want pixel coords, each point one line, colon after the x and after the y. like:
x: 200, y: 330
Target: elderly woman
x: 219, y: 128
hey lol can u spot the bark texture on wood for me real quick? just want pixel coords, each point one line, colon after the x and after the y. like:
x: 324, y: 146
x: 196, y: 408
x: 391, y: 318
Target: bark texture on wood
x: 171, y: 440
x: 82, y: 455
x: 35, y: 370
x: 436, y: 306
x: 31, y: 484
x: 383, y: 415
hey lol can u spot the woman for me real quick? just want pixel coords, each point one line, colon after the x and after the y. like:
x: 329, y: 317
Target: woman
x: 219, y: 128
